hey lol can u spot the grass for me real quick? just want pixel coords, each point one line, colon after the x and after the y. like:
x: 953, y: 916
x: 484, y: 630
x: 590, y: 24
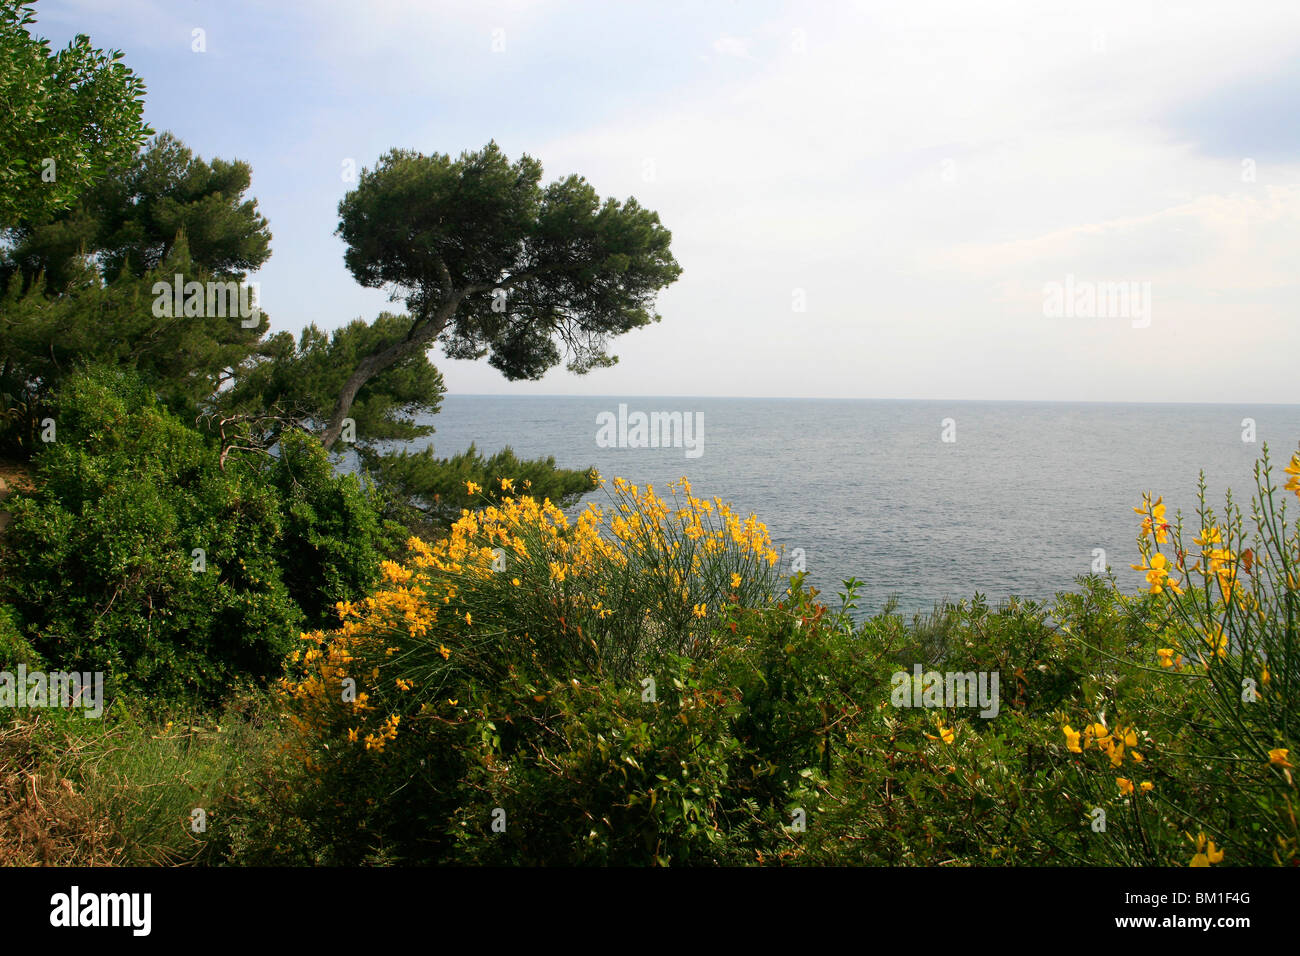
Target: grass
x: 122, y: 790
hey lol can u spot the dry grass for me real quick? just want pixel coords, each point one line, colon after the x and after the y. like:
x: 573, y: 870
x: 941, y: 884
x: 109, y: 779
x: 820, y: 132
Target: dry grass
x: 44, y: 821
x: 121, y: 791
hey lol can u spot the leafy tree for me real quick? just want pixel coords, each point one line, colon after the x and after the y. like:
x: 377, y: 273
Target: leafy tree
x: 186, y: 359
x: 100, y: 567
x: 164, y: 214
x: 493, y: 264
x: 131, y: 222
x: 294, y: 384
x: 68, y: 117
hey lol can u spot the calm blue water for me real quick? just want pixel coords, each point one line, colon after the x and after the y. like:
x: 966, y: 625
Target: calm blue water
x: 1015, y: 506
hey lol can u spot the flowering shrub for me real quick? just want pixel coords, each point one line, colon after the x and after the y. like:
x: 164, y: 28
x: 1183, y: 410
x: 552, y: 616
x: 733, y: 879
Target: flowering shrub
x: 464, y: 638
x: 1220, y: 690
x: 630, y: 686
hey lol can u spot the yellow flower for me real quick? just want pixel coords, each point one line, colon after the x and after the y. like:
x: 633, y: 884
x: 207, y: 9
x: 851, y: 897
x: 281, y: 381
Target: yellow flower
x: 946, y: 734
x: 1071, y: 740
x: 1209, y: 536
x: 1154, y: 519
x: 1125, y: 785
x: 735, y: 580
x: 699, y: 610
x: 1166, y: 655
x: 1157, y: 571
x: 1205, y: 855
x: 472, y: 488
x: 1278, y: 758
x: 468, y: 619
x: 1115, y: 751
x: 445, y: 652
x: 1293, y: 469
x: 515, y: 582
x: 507, y: 484
x: 1147, y: 785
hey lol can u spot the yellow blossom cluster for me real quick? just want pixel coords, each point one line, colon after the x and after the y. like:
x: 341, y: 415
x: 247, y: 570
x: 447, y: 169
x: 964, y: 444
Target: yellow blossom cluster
x: 1217, y: 561
x: 1112, y: 743
x: 1220, y: 561
x: 1157, y: 571
x: 1153, y: 520
x: 387, y: 733
x: 572, y: 559
x: 645, y: 520
x: 329, y: 693
x: 1169, y: 657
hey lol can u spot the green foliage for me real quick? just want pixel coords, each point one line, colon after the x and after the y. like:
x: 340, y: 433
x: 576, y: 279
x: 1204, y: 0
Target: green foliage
x: 331, y: 537
x: 105, y: 575
x: 79, y: 107
x: 14, y: 648
x: 43, y: 338
x: 298, y: 383
x: 574, y: 270
x: 105, y: 546
x: 430, y: 493
x: 157, y: 215
x: 595, y: 774
x: 132, y: 780
x: 131, y: 222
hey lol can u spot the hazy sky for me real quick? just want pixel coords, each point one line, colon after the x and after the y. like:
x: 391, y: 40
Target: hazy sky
x: 914, y: 174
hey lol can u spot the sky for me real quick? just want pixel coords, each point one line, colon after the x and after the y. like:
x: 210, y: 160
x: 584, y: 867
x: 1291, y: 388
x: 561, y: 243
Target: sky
x: 868, y: 200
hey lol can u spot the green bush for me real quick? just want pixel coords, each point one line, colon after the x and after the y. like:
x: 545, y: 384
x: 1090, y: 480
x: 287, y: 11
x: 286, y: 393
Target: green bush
x: 14, y: 648
x: 138, y: 554
x: 332, y: 538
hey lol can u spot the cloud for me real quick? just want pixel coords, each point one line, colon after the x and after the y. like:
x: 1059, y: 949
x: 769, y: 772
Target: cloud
x: 732, y: 46
x: 1236, y: 242
x: 918, y: 169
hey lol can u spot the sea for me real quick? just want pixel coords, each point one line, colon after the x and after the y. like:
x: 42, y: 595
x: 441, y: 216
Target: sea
x: 921, y: 501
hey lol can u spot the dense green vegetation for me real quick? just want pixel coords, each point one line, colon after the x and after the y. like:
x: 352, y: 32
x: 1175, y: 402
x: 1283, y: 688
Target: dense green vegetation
x: 503, y: 697
x: 68, y: 116
x: 427, y: 661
